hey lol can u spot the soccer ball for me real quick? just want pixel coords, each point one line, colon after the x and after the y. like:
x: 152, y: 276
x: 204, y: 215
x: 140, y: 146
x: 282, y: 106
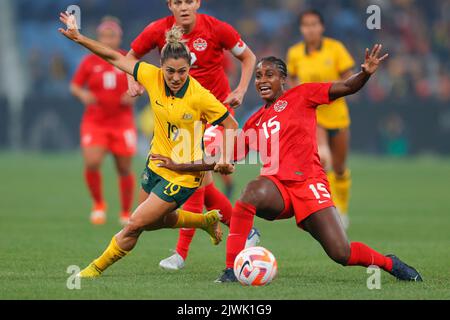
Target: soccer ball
x: 255, y: 266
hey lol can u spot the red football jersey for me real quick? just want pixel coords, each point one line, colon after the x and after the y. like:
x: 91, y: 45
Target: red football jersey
x: 286, y: 133
x: 108, y: 84
x: 206, y: 42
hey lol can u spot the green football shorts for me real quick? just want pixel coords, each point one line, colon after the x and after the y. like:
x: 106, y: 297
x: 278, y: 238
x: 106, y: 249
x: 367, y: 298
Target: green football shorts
x: 165, y: 190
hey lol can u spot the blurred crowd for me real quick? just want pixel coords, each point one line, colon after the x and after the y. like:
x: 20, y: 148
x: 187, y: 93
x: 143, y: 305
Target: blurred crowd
x: 416, y: 34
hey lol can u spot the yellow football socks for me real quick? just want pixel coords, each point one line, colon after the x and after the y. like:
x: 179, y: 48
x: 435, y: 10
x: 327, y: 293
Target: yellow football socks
x: 112, y: 254
x: 188, y: 219
x: 340, y: 189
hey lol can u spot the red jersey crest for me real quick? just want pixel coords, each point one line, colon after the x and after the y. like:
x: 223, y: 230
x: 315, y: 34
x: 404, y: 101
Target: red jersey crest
x: 280, y: 105
x: 200, y: 44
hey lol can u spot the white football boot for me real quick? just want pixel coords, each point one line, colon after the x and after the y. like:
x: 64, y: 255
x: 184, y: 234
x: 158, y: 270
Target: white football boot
x: 173, y: 263
x: 253, y: 238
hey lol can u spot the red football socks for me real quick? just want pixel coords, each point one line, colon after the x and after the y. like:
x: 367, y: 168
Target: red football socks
x: 362, y: 255
x: 214, y: 199
x: 240, y: 226
x: 126, y: 186
x: 193, y: 204
x: 94, y: 183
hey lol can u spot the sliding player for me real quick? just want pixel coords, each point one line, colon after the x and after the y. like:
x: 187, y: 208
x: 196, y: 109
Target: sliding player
x: 298, y: 186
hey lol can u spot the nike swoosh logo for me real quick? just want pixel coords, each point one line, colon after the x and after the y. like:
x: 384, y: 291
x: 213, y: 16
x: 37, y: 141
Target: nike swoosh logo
x: 323, y: 201
x: 159, y: 104
x: 243, y: 266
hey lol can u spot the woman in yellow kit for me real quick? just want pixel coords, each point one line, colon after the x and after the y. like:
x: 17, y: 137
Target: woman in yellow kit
x: 180, y: 105
x: 322, y: 59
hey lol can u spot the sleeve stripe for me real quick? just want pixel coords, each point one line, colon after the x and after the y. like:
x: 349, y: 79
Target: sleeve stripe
x: 136, y: 69
x: 221, y: 119
x: 239, y: 48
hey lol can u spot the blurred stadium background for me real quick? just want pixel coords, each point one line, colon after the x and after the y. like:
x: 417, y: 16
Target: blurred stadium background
x: 404, y: 112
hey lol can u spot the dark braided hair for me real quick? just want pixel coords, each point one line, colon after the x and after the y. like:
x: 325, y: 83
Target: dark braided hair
x: 175, y: 47
x: 278, y: 63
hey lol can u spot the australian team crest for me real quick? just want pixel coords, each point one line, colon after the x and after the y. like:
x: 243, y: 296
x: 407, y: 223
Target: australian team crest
x: 280, y: 105
x: 200, y: 44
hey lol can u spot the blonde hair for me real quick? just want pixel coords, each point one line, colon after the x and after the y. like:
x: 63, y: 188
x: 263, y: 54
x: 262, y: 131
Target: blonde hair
x: 175, y: 47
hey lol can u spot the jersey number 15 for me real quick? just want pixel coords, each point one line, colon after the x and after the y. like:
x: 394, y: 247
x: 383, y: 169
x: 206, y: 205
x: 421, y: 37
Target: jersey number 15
x: 273, y: 125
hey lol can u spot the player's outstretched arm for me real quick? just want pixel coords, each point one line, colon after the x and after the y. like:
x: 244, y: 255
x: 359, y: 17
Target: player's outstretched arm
x: 356, y: 82
x: 104, y: 52
x: 248, y: 61
x: 134, y: 88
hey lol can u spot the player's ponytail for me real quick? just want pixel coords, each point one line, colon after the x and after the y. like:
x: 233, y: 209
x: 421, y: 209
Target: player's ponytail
x: 175, y: 48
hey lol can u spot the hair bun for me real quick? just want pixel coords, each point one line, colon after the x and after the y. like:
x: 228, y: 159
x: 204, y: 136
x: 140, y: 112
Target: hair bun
x: 174, y: 36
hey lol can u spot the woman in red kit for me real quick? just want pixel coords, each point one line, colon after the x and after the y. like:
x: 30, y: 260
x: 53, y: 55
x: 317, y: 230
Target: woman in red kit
x: 206, y: 38
x: 297, y: 186
x: 108, y: 122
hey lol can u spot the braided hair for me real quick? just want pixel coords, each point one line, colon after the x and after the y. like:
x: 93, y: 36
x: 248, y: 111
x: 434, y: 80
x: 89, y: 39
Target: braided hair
x: 278, y: 63
x: 175, y: 47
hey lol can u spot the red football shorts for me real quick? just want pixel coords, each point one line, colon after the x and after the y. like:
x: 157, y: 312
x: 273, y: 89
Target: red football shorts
x: 119, y: 141
x: 303, y: 198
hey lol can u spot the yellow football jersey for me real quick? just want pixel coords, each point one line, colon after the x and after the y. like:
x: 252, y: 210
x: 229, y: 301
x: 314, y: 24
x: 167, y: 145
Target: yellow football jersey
x: 179, y: 122
x: 324, y: 65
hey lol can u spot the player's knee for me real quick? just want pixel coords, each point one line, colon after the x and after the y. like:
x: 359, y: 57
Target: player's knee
x: 339, y: 168
x: 134, y: 227
x: 253, y: 194
x: 340, y: 254
x: 92, y: 165
x: 124, y: 171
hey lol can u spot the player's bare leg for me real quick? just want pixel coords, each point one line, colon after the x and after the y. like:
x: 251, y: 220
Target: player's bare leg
x: 326, y: 227
x: 340, y: 176
x: 142, y: 196
x: 126, y: 186
x: 153, y: 214
x: 228, y: 182
x: 323, y: 145
x: 260, y: 197
x: 93, y: 159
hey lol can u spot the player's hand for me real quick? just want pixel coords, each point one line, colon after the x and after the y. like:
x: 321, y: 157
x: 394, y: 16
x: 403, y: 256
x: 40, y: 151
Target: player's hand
x: 87, y: 98
x: 71, y: 24
x: 127, y: 100
x: 164, y: 162
x: 225, y: 169
x: 235, y: 98
x: 373, y: 60
x: 135, y: 89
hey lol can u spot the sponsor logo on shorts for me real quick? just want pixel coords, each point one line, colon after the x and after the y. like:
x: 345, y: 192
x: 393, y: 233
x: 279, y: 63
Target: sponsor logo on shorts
x: 200, y: 44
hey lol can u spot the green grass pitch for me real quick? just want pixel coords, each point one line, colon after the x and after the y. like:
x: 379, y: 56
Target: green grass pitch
x: 398, y: 206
